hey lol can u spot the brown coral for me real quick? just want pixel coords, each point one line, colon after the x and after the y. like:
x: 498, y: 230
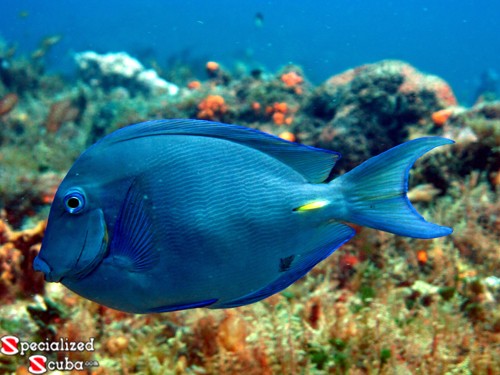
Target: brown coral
x: 291, y: 79
x: 281, y: 113
x: 232, y: 333
x: 440, y: 117
x: 61, y: 112
x: 287, y: 136
x: 415, y: 82
x: 212, y: 107
x: 17, y: 251
x: 213, y: 68
x: 7, y: 103
x: 194, y: 85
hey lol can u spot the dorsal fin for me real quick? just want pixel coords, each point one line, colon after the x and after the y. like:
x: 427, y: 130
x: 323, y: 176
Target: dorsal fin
x: 312, y: 163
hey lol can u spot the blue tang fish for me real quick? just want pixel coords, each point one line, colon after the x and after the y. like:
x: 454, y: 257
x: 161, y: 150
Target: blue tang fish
x: 175, y: 214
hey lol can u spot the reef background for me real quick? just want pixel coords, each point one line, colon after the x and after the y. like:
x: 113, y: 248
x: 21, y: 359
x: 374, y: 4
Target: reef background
x: 455, y: 39
x: 382, y: 304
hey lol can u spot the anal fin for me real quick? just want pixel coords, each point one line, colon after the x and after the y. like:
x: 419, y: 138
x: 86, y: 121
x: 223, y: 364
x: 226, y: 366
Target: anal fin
x: 183, y: 306
x: 325, y: 242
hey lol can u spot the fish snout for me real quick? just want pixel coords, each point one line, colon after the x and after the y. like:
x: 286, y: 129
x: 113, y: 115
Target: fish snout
x: 40, y: 265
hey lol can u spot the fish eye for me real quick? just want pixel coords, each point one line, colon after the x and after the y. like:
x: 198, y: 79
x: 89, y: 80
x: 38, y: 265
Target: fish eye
x: 74, y: 202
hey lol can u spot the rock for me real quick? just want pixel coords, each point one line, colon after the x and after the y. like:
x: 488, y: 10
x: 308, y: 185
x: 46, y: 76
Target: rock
x: 368, y: 109
x: 120, y: 69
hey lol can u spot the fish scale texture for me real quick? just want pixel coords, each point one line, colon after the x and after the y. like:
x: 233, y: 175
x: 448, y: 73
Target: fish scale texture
x: 219, y: 210
x: 209, y: 221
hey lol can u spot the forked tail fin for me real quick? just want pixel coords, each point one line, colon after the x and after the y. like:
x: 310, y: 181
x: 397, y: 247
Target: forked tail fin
x: 375, y: 191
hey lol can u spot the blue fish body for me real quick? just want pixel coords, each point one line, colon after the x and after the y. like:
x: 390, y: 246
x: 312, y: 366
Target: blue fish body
x: 175, y: 214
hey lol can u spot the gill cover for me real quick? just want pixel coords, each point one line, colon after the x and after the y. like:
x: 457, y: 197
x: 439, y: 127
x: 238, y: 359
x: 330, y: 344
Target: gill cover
x: 73, y: 245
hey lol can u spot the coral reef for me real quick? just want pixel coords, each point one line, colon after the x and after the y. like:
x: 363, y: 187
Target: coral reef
x: 373, y: 106
x: 17, y: 251
x: 477, y: 134
x: 213, y: 107
x: 120, y: 69
x: 7, y: 103
x: 65, y: 110
x: 382, y: 304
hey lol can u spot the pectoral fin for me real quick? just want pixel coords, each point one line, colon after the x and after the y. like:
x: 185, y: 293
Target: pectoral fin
x: 132, y: 244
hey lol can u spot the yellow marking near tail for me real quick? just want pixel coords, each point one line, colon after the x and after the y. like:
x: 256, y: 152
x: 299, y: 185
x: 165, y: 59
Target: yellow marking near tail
x: 312, y: 206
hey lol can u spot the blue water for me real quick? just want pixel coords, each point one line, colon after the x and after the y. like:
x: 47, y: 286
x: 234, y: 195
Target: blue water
x: 457, y: 40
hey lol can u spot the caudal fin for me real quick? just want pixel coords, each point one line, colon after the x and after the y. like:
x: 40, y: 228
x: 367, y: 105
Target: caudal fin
x: 375, y: 191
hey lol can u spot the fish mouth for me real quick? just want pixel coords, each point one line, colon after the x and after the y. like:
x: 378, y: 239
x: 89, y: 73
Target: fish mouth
x: 39, y: 265
x: 58, y: 260
x: 85, y: 267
